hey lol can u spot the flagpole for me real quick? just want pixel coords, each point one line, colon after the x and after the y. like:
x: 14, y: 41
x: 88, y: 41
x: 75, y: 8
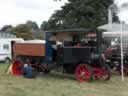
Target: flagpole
x: 121, y: 46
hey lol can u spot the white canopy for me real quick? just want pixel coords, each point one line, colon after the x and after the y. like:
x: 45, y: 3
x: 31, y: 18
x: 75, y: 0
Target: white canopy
x: 115, y: 34
x: 114, y: 27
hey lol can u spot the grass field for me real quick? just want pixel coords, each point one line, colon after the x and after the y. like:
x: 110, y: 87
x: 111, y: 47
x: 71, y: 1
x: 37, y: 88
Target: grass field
x: 59, y: 85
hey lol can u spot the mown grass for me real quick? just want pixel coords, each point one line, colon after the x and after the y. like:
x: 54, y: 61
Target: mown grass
x: 59, y: 85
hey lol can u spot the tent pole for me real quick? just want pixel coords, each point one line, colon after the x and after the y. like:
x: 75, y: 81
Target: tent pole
x: 121, y: 46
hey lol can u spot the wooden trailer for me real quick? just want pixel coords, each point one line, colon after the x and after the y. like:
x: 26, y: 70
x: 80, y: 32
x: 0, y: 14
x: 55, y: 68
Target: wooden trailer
x: 29, y: 52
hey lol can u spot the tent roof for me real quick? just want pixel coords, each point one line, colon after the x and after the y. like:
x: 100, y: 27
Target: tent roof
x: 113, y: 27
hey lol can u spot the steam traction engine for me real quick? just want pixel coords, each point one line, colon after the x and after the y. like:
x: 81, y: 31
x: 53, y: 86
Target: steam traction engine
x: 77, y: 51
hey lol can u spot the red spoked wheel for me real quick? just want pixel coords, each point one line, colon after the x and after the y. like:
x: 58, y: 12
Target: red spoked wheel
x: 83, y: 73
x: 105, y: 72
x: 17, y: 68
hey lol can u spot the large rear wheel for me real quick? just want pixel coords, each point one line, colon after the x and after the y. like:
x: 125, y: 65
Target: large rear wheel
x: 83, y: 73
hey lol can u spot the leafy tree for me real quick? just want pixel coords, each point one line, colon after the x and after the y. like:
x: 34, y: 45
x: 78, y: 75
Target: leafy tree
x: 28, y: 30
x: 33, y: 25
x: 80, y: 14
x: 34, y: 28
x: 6, y: 28
x: 23, y: 30
x: 44, y: 25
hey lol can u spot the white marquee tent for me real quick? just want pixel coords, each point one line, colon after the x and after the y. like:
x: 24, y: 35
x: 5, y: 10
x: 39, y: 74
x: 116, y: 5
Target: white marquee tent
x: 114, y: 27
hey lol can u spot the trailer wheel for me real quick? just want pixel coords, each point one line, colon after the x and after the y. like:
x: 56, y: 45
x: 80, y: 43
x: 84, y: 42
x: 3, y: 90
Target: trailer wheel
x: 7, y: 61
x: 106, y: 72
x: 17, y: 68
x: 83, y: 73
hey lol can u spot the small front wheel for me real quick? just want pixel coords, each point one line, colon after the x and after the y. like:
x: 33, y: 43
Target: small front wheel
x: 106, y: 72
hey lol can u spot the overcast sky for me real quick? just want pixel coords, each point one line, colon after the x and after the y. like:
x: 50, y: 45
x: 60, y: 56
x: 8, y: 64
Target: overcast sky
x: 123, y: 14
x: 18, y: 11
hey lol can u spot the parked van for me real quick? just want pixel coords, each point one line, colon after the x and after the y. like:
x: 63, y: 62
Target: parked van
x: 6, y: 48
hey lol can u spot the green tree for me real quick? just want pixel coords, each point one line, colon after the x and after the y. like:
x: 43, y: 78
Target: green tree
x: 23, y: 30
x: 80, y: 14
x: 28, y: 30
x: 33, y: 25
x: 33, y: 28
x: 44, y: 25
x: 6, y: 28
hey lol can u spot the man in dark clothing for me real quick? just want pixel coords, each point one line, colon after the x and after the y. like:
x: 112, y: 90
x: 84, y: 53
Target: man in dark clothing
x: 102, y: 50
x: 28, y: 71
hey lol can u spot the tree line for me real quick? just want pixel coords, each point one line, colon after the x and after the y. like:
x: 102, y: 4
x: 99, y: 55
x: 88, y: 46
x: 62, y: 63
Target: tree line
x: 29, y: 30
